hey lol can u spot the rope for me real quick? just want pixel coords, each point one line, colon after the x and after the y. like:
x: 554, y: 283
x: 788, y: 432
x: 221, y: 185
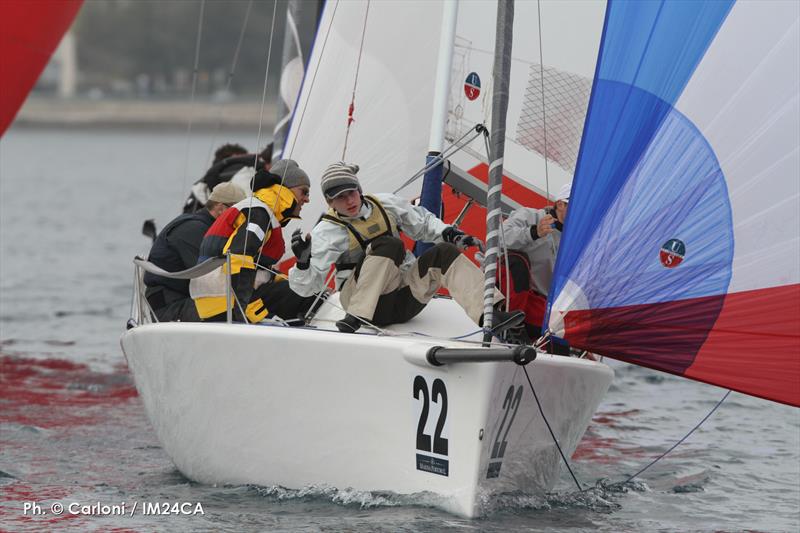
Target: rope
x: 191, y: 99
x: 350, y: 110
x: 544, y: 115
x: 657, y: 459
x: 555, y: 440
x: 231, y: 72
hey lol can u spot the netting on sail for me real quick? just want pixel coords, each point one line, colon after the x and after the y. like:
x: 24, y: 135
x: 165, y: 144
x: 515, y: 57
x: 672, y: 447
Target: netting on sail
x: 560, y: 120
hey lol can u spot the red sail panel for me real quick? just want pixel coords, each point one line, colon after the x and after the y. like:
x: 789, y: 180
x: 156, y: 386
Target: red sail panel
x: 755, y: 345
x: 747, y: 341
x: 30, y: 30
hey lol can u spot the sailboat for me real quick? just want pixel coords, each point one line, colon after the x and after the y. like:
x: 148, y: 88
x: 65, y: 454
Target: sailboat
x: 597, y: 93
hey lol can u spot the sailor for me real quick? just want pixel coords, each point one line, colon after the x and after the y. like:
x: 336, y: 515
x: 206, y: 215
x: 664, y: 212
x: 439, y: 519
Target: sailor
x: 251, y: 231
x: 177, y: 248
x: 532, y: 237
x: 231, y: 163
x: 379, y: 280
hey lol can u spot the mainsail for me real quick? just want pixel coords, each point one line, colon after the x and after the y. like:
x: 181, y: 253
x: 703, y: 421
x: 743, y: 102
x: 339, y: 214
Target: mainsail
x: 682, y: 246
x: 29, y: 32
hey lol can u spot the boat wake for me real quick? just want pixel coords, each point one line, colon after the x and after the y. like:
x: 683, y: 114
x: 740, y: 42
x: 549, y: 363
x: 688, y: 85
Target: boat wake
x: 600, y: 499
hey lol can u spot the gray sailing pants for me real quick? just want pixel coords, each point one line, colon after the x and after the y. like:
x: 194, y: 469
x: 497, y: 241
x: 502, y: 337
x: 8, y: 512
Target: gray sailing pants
x: 380, y: 293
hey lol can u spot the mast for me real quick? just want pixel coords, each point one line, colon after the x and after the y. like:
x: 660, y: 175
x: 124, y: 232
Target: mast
x: 431, y: 196
x: 501, y: 73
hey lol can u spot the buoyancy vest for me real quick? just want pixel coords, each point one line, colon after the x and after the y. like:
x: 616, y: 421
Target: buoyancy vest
x: 164, y: 254
x: 362, y: 231
x: 209, y: 291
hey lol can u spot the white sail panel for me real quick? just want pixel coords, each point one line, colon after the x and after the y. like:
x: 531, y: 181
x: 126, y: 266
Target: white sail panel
x: 392, y: 112
x: 745, y: 98
x: 570, y: 39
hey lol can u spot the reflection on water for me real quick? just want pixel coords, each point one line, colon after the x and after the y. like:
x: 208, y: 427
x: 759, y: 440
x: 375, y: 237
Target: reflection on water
x: 73, y: 429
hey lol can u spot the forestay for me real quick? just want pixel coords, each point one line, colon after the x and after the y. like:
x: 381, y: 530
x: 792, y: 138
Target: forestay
x: 682, y: 247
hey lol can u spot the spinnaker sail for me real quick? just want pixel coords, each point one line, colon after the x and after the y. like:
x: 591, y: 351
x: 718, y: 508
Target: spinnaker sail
x: 29, y: 33
x: 682, y: 247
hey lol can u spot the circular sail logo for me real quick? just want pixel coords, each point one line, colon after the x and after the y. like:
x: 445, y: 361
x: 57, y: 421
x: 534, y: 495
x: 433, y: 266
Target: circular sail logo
x: 672, y: 253
x: 472, y: 85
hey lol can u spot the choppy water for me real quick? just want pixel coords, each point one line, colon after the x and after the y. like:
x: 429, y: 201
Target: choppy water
x: 72, y: 428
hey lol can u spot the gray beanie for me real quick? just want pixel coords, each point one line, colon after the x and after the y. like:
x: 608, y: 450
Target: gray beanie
x: 291, y: 173
x: 338, y: 178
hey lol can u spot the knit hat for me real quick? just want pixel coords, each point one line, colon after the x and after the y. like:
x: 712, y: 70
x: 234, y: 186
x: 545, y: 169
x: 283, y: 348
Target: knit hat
x: 338, y: 178
x: 291, y: 173
x: 564, y: 192
x: 227, y: 193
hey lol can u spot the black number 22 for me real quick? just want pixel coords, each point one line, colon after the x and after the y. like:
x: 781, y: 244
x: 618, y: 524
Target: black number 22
x: 439, y: 394
x: 512, y: 401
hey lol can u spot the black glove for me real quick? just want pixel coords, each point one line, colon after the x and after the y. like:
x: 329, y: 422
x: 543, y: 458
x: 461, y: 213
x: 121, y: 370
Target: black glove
x: 460, y: 239
x: 450, y: 234
x: 301, y: 248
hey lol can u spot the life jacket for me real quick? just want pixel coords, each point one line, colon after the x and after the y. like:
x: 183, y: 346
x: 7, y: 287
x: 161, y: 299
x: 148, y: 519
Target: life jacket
x: 362, y: 231
x: 165, y: 256
x: 209, y: 291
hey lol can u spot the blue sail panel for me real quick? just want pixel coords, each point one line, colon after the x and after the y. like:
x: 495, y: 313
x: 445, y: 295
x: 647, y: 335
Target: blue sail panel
x: 648, y: 54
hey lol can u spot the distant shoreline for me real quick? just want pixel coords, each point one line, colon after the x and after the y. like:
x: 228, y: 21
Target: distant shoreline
x: 143, y: 114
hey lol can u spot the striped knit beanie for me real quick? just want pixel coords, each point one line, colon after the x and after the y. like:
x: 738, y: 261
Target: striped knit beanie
x: 338, y: 178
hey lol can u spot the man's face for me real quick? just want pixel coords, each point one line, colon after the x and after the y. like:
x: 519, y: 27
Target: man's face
x: 301, y: 192
x: 561, y: 210
x: 347, y: 203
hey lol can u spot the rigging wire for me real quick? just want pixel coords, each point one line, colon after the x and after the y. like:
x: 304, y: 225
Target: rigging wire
x: 555, y: 440
x: 657, y: 459
x: 231, y: 72
x: 351, y: 109
x: 544, y: 114
x: 451, y: 149
x: 258, y: 136
x: 194, y: 90
x: 313, y: 79
x: 638, y: 473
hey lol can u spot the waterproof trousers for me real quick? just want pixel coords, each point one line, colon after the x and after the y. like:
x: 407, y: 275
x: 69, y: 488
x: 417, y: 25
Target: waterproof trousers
x: 381, y: 293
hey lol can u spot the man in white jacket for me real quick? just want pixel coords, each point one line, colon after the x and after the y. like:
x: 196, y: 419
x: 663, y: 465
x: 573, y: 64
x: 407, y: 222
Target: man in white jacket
x: 380, y: 281
x: 532, y: 237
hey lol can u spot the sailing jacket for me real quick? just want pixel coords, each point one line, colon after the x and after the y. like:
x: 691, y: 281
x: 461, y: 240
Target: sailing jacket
x: 520, y: 234
x: 176, y: 248
x: 333, y: 243
x: 238, y: 168
x: 251, y: 231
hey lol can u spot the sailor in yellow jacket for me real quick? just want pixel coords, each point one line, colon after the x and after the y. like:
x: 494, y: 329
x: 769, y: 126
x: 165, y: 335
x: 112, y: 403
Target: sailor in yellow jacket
x: 251, y: 231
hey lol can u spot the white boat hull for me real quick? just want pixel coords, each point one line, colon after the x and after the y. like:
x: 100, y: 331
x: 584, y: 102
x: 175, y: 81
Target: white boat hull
x: 267, y: 405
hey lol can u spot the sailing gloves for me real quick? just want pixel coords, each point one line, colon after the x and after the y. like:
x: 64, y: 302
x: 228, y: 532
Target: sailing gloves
x: 460, y: 239
x: 301, y: 248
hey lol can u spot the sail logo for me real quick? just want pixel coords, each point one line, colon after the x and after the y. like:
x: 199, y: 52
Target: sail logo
x: 672, y: 253
x: 472, y: 86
